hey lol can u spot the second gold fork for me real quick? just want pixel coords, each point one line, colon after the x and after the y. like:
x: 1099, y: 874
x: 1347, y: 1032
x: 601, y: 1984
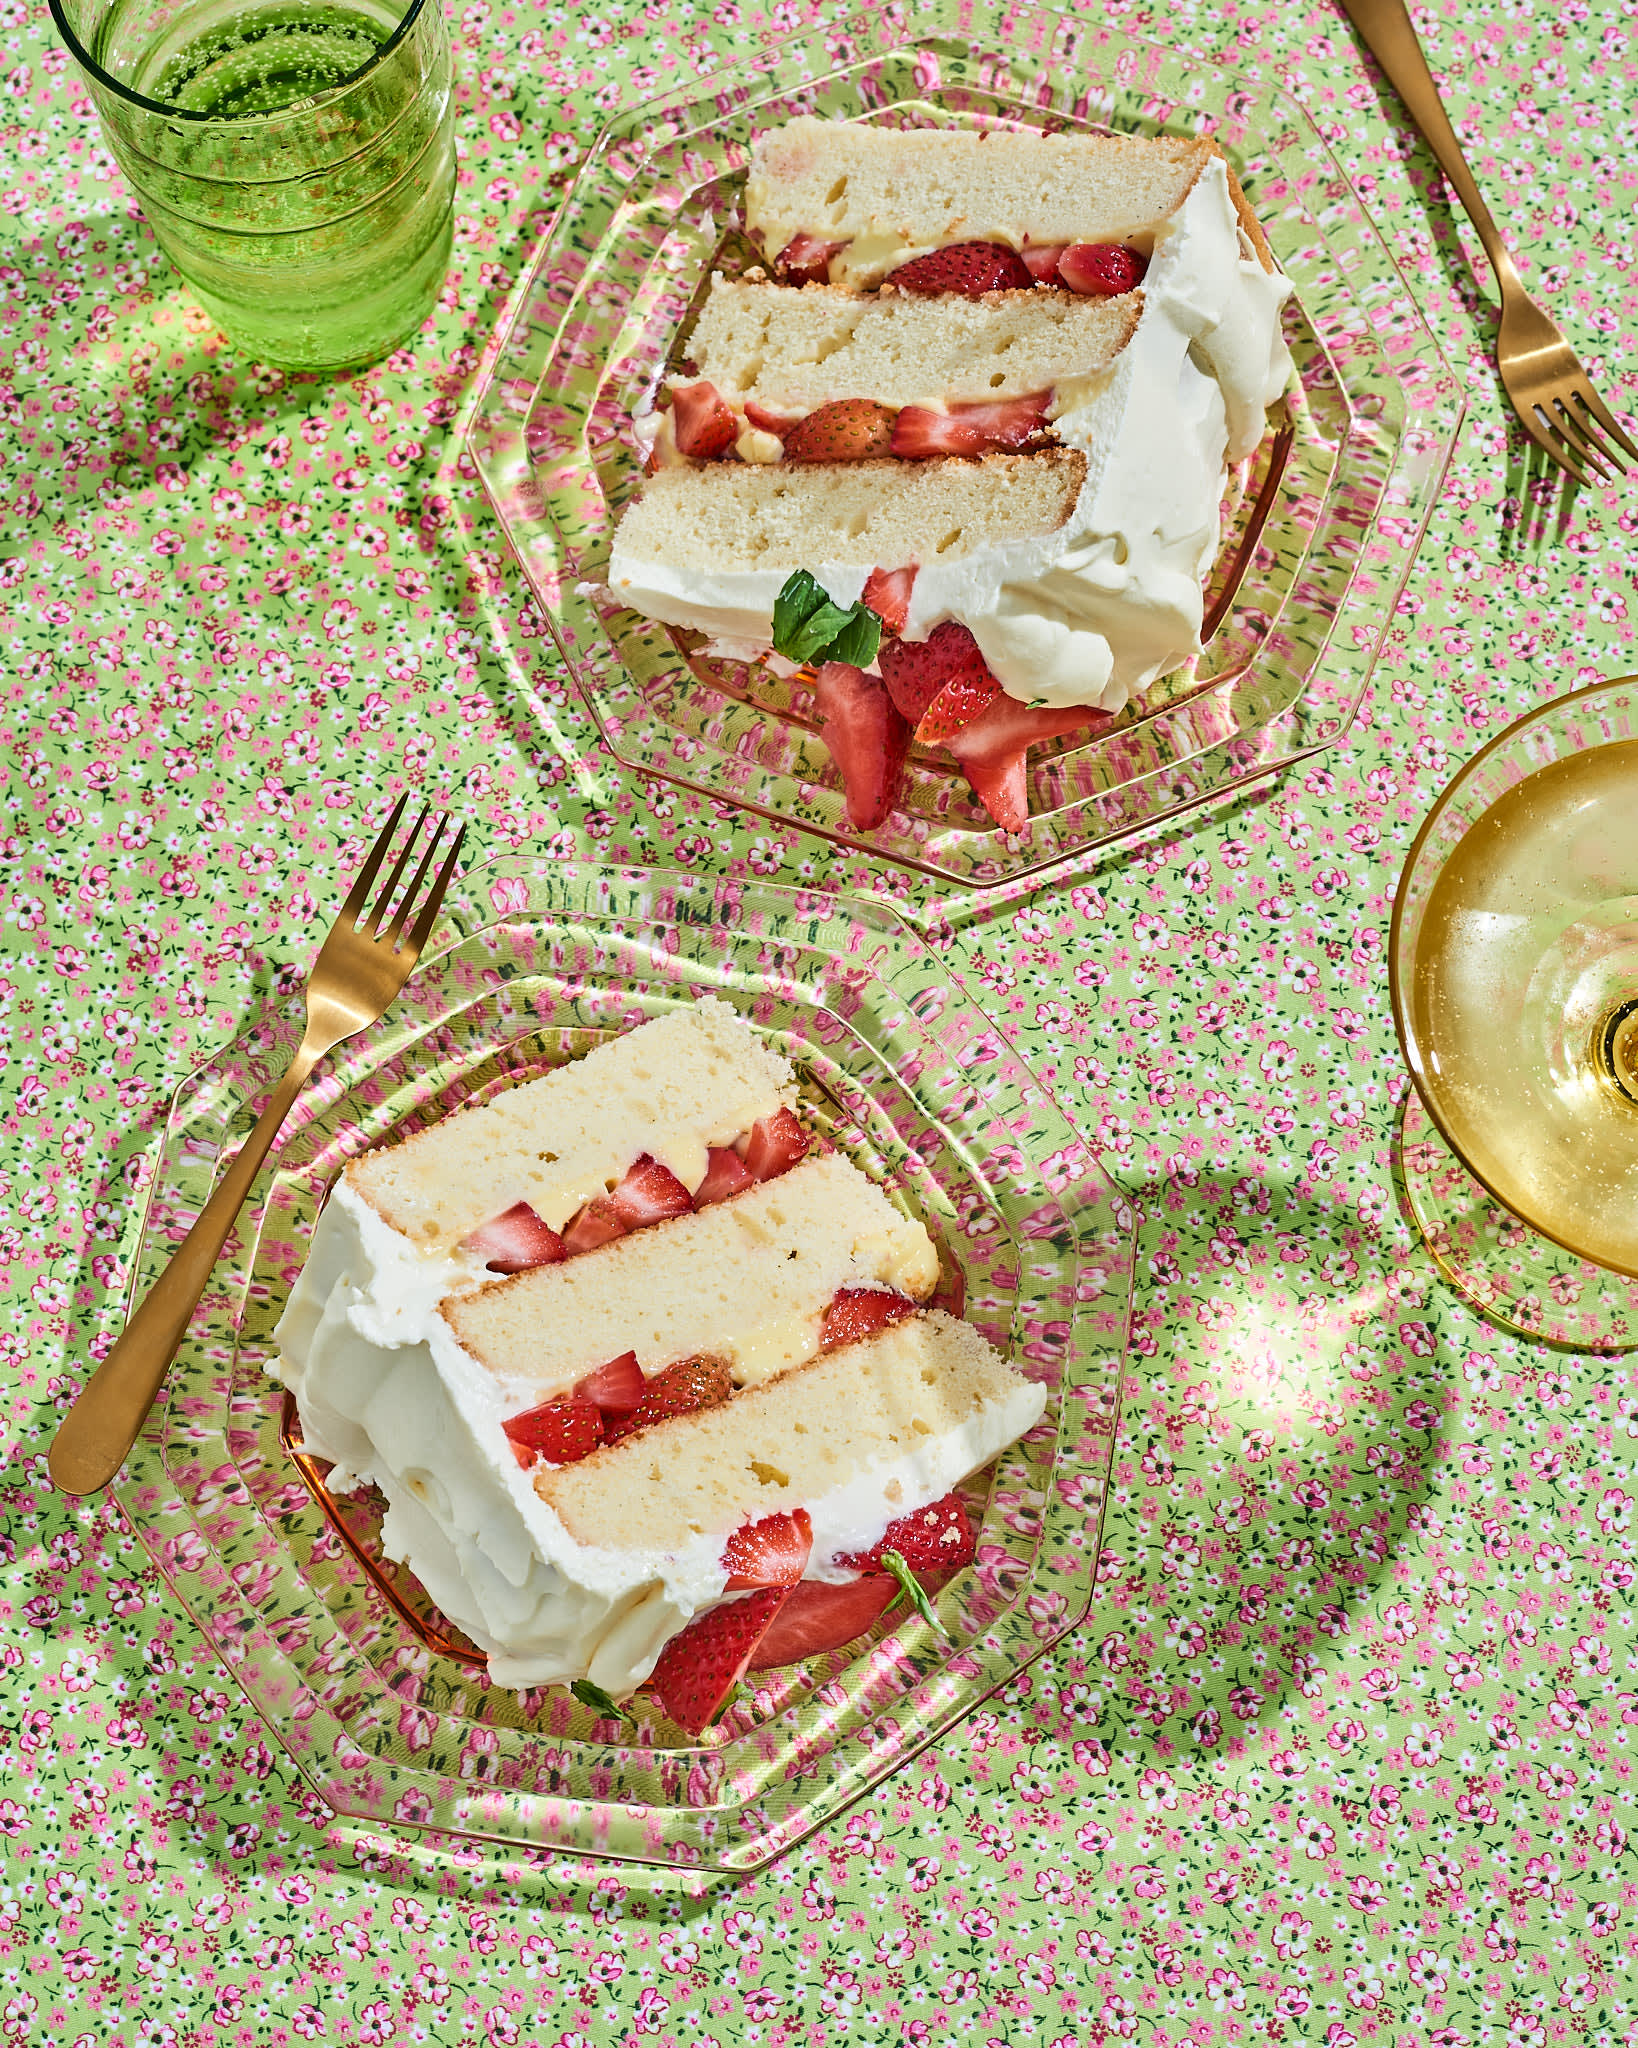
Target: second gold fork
x: 363, y: 964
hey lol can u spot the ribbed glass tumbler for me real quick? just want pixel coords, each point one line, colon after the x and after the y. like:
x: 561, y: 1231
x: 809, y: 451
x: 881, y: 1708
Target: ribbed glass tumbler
x: 293, y: 157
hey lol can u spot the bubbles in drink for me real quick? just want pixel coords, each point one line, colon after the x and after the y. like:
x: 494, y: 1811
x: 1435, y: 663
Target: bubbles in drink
x: 257, y: 61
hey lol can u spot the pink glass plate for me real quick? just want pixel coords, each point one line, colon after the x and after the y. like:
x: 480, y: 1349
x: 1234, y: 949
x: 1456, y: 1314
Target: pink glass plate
x: 341, y: 1654
x: 655, y: 210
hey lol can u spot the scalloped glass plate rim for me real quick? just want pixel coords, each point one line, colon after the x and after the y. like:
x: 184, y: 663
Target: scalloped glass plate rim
x: 150, y: 1476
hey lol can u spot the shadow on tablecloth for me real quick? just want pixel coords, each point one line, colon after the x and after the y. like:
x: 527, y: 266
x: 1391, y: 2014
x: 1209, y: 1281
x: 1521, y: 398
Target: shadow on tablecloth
x: 1281, y: 1415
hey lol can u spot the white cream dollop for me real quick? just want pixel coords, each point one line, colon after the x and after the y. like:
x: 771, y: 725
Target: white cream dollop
x: 1093, y: 613
x: 386, y: 1392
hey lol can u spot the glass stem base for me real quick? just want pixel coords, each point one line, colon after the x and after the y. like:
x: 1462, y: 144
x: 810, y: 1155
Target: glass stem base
x: 1510, y: 1273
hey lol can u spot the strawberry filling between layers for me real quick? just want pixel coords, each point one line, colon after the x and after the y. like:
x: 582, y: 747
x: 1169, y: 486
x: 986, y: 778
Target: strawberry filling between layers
x: 971, y: 268
x: 617, y: 1400
x: 785, y: 1616
x: 705, y: 428
x: 518, y: 1239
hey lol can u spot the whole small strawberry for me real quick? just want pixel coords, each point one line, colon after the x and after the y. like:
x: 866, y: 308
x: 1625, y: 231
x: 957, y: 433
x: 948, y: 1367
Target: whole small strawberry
x: 968, y: 268
x: 849, y: 430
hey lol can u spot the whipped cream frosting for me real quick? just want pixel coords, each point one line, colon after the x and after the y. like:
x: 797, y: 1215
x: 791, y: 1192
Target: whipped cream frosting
x: 1095, y: 612
x: 386, y: 1392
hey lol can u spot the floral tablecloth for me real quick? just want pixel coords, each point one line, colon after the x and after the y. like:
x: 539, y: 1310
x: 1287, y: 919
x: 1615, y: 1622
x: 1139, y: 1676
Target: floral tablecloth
x: 1345, y: 1752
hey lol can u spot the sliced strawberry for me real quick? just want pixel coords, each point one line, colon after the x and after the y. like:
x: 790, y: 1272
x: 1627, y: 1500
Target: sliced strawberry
x: 868, y: 739
x: 702, y: 421
x: 860, y: 1312
x: 598, y: 1223
x: 561, y: 1432
x: 689, y: 1384
x: 806, y: 260
x: 725, y: 1175
x: 934, y: 1538
x: 887, y: 593
x: 817, y: 1617
x: 772, y: 1552
x: 1103, y: 269
x: 515, y: 1241
x: 1042, y: 262
x: 848, y: 430
x: 649, y: 1193
x: 992, y: 750
x: 779, y: 423
x: 702, y: 1664
x: 1004, y: 423
x: 917, y: 672
x: 970, y: 268
x: 957, y: 705
x: 777, y: 1143
x: 614, y: 1389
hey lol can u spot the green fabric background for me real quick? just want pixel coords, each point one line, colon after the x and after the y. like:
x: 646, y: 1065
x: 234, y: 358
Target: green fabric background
x: 1344, y: 1753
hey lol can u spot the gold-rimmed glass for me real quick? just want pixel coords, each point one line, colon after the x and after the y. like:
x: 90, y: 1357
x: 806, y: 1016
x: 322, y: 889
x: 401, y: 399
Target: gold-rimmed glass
x: 1513, y: 965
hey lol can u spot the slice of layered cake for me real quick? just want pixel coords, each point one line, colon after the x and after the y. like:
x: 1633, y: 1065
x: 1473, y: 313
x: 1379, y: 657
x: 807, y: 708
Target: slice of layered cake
x: 962, y: 296
x: 648, y: 1382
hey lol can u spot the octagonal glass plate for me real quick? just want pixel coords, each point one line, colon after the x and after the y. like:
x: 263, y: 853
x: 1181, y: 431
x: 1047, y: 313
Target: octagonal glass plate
x: 656, y: 209
x: 336, y: 1649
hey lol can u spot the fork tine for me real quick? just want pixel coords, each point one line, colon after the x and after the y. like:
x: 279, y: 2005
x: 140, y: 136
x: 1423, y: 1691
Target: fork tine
x: 1564, y: 455
x: 1582, y: 434
x: 350, y: 910
x: 396, y: 930
x: 1605, y: 418
x: 383, y: 902
x: 422, y: 930
x: 1590, y: 430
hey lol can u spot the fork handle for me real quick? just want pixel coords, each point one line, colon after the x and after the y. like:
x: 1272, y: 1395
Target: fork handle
x: 101, y: 1426
x: 1385, y: 29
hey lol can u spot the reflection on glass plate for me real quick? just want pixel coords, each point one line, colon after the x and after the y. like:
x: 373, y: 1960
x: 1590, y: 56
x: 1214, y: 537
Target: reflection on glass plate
x: 656, y: 210
x: 909, y: 1079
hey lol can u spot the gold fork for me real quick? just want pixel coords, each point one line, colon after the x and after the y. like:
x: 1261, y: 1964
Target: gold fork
x: 363, y: 964
x: 1540, y: 372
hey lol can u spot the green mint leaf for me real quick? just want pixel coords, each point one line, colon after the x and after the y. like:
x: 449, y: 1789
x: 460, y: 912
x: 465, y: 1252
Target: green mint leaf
x: 858, y: 640
x: 911, y: 1587
x: 809, y: 627
x: 598, y: 1700
x: 796, y: 603
x: 811, y: 640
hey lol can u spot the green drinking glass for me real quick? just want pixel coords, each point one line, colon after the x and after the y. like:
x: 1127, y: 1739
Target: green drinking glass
x: 293, y: 157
